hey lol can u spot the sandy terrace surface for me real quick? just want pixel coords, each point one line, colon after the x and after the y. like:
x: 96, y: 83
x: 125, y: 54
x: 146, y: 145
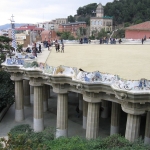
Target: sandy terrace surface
x: 130, y: 62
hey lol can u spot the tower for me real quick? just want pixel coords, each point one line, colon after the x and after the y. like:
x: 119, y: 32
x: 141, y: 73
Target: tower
x: 100, y: 10
x: 13, y: 32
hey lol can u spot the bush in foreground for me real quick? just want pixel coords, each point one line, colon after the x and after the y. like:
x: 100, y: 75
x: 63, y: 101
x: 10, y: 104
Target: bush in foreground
x: 22, y: 137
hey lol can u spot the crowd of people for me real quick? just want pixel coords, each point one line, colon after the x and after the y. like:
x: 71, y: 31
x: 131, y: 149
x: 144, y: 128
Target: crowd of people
x: 37, y: 47
x: 101, y: 40
x: 34, y: 49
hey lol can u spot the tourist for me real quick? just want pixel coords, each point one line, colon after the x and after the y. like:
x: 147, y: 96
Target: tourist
x: 62, y: 47
x: 56, y: 46
x: 27, y: 50
x: 34, y: 51
x: 142, y: 40
x: 40, y: 48
x: 120, y: 41
x: 89, y: 41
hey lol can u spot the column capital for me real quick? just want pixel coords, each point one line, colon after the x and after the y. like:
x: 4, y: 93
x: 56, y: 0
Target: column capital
x: 60, y: 88
x: 91, y: 97
x: 134, y: 108
x: 16, y: 76
x: 36, y: 81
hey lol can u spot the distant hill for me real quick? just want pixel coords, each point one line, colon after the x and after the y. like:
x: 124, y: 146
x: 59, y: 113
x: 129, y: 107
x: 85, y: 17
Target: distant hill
x: 7, y: 26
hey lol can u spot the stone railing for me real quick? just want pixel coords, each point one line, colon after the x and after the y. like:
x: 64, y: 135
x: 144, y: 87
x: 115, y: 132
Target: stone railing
x: 114, y: 81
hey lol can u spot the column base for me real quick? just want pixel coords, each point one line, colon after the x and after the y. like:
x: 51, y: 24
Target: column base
x: 60, y: 133
x: 84, y: 122
x: 104, y: 113
x: 19, y: 115
x: 147, y: 140
x: 38, y: 125
x: 31, y: 98
x: 114, y: 130
x: 26, y: 100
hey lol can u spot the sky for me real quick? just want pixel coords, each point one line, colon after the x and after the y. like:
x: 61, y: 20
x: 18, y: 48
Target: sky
x: 33, y: 11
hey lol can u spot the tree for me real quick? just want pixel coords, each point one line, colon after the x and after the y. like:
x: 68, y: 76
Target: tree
x: 65, y: 35
x: 6, y: 90
x: 5, y: 48
x: 6, y: 85
x: 102, y: 33
x: 71, y: 19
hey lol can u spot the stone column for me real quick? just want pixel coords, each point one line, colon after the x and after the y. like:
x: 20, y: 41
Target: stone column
x: 104, y: 105
x: 62, y: 115
x: 147, y: 129
x: 38, y: 109
x: 80, y: 102
x: 48, y: 91
x: 26, y: 91
x: 19, y: 104
x: 85, y: 108
x: 31, y: 94
x: 132, y: 127
x: 45, y: 98
x: 92, y: 129
x: 115, y: 118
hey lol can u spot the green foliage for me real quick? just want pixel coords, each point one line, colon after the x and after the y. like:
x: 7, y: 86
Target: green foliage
x: 34, y: 64
x: 19, y: 47
x: 131, y: 11
x: 87, y: 9
x: 6, y: 89
x: 127, y: 24
x: 119, y: 33
x: 5, y: 48
x: 71, y: 19
x: 102, y: 33
x: 66, y: 36
x: 22, y: 137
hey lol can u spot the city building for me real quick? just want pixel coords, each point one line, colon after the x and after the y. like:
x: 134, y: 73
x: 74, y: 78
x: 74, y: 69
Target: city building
x: 27, y: 34
x: 138, y: 31
x: 47, y: 35
x: 100, y: 21
x: 48, y: 25
x: 72, y: 27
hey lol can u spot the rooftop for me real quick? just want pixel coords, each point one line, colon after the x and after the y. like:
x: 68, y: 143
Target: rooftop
x: 140, y: 26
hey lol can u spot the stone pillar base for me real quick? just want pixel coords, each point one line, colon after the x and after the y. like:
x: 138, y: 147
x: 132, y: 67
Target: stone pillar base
x: 104, y: 113
x: 60, y: 133
x: 19, y: 115
x: 38, y: 125
x: 114, y: 130
x: 147, y: 140
x: 84, y: 122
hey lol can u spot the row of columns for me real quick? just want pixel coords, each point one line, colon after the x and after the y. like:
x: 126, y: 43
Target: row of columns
x: 90, y: 113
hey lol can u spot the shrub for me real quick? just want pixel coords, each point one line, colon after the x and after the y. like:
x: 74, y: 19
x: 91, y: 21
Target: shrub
x: 6, y: 89
x: 22, y: 137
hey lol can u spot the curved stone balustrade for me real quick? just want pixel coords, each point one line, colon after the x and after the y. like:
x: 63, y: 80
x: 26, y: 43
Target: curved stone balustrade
x: 94, y: 78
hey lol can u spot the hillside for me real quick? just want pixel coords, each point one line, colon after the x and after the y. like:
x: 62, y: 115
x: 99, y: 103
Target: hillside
x: 123, y: 12
x: 7, y: 26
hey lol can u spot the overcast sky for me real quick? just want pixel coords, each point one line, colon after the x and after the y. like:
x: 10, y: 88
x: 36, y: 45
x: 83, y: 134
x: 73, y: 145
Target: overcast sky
x: 33, y: 11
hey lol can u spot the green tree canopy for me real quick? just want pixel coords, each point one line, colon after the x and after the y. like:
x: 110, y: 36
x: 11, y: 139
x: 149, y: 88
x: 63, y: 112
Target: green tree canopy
x: 131, y: 11
x: 5, y: 48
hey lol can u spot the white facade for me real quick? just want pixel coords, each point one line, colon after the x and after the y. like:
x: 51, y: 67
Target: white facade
x: 100, y: 21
